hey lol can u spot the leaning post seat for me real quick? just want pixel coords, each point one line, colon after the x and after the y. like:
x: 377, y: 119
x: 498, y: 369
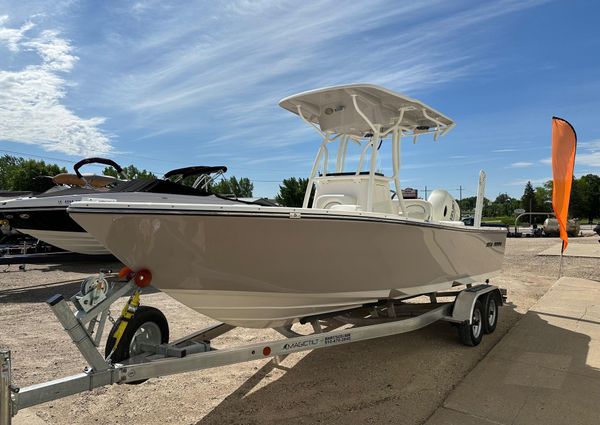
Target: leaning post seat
x: 351, y: 189
x: 415, y: 208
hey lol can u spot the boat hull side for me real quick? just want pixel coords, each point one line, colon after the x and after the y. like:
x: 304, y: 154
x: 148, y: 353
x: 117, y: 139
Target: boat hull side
x: 79, y: 242
x: 309, y: 265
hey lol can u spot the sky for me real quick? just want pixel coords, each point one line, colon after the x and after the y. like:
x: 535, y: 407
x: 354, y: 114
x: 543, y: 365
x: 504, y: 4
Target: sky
x: 168, y: 84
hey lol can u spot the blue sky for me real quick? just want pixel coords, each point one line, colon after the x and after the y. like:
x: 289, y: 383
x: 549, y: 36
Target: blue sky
x: 167, y: 84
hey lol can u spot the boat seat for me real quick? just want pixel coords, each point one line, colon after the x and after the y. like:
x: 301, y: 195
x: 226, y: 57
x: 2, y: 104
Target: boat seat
x: 329, y: 200
x: 416, y: 208
x: 94, y: 180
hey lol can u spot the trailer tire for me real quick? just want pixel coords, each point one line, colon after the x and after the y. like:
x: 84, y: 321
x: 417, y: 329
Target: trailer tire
x: 490, y: 313
x: 471, y: 334
x: 148, y: 323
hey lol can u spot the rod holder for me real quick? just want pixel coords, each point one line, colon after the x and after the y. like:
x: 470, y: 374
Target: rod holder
x: 480, y: 199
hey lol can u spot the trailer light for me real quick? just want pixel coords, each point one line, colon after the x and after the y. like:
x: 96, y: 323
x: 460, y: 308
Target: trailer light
x: 142, y: 278
x: 266, y: 351
x: 125, y: 273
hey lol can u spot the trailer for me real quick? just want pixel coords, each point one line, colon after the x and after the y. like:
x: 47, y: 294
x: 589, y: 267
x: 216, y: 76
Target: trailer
x: 137, y: 347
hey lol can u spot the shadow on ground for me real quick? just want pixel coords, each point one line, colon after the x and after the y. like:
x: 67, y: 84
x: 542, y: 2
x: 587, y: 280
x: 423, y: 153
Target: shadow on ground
x: 43, y: 291
x: 541, y: 373
x: 399, y: 379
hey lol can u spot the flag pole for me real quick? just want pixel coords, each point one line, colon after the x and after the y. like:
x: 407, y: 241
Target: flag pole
x: 562, y: 249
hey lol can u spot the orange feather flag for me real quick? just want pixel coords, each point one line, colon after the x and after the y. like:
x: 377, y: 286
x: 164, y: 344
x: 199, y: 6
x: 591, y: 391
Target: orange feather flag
x: 564, y: 146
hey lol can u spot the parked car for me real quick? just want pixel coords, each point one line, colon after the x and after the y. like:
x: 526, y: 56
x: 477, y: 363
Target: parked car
x: 597, y: 229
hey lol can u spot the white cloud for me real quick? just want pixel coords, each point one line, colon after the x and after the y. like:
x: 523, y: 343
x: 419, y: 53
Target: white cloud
x: 588, y: 153
x: 11, y: 36
x: 503, y: 150
x: 521, y: 164
x: 593, y: 145
x: 31, y: 111
x: 591, y: 159
x: 261, y: 51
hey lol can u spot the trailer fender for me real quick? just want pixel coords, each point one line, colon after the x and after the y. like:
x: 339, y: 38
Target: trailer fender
x: 465, y: 301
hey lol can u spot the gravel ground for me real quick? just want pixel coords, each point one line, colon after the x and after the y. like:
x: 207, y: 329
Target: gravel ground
x: 400, y: 379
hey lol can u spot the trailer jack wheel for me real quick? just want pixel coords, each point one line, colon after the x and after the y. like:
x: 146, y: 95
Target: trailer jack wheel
x: 471, y: 334
x: 148, y: 325
x: 491, y: 314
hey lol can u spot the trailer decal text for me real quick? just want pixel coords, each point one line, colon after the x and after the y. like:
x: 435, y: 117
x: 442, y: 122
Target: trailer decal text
x: 337, y: 339
x: 301, y: 344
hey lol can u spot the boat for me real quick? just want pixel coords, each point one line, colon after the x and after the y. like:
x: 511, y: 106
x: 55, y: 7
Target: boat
x: 353, y: 242
x: 45, y: 216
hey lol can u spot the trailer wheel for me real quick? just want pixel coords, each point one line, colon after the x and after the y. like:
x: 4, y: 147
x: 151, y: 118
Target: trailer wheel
x: 491, y: 314
x: 148, y: 325
x: 471, y: 334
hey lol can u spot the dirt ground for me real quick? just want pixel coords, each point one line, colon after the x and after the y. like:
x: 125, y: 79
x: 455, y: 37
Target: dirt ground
x: 400, y: 379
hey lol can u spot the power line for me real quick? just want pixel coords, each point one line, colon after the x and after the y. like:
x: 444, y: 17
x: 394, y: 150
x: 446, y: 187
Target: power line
x: 37, y: 156
x: 61, y: 160
x: 136, y: 156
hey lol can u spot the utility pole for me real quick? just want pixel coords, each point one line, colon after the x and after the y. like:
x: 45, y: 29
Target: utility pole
x: 425, y: 192
x: 530, y: 208
x: 460, y: 189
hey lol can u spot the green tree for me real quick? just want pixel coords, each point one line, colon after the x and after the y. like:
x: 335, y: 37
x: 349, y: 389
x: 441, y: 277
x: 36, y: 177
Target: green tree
x: 543, y: 199
x: 291, y: 192
x: 576, y: 203
x: 589, y: 186
x: 505, y: 205
x: 8, y: 165
x: 18, y: 173
x: 241, y: 188
x: 528, y: 198
x: 131, y: 172
x: 467, y: 204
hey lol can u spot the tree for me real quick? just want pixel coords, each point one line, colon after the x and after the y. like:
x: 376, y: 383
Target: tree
x: 241, y: 188
x: 505, y: 205
x: 291, y: 192
x: 467, y: 204
x: 543, y: 199
x: 589, y: 186
x: 18, y: 173
x: 8, y: 165
x: 131, y: 172
x: 528, y: 198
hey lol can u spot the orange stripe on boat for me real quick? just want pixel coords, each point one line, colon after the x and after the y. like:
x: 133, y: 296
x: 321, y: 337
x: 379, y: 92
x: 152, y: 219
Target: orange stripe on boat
x: 564, y: 146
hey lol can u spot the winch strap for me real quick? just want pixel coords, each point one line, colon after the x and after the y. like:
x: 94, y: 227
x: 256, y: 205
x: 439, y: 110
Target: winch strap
x: 126, y: 314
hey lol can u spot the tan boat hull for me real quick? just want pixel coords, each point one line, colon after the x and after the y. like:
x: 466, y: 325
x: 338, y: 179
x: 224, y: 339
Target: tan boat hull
x: 267, y: 269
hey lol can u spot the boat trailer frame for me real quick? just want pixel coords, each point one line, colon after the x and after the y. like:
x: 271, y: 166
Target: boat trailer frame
x: 194, y: 352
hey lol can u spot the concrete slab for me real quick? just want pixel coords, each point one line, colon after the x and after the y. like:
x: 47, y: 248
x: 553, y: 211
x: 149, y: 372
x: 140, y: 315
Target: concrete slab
x: 545, y: 370
x: 575, y: 250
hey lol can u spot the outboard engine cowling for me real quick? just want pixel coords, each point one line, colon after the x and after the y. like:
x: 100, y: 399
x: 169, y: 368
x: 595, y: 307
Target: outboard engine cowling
x: 443, y: 206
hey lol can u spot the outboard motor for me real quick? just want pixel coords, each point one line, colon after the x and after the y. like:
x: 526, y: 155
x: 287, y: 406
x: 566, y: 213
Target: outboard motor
x: 443, y: 206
